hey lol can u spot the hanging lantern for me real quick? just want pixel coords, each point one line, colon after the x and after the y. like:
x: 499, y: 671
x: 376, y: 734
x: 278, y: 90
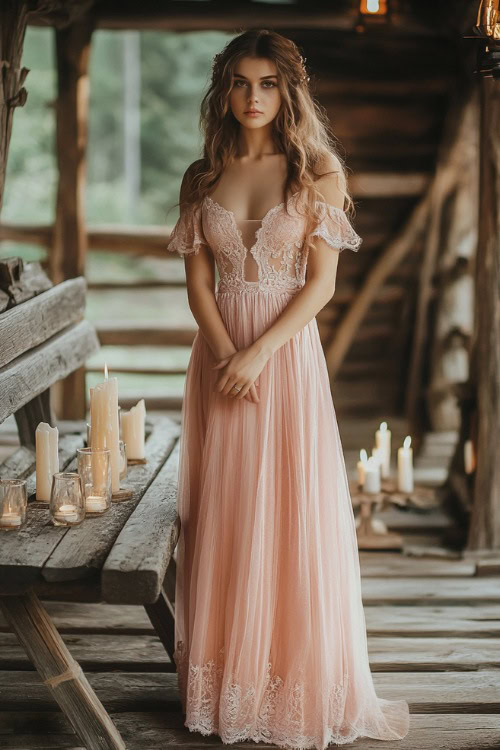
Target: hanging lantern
x: 373, y: 7
x: 488, y: 28
x: 372, y: 13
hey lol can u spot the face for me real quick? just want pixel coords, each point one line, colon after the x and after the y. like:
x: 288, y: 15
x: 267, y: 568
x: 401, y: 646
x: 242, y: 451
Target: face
x: 255, y: 87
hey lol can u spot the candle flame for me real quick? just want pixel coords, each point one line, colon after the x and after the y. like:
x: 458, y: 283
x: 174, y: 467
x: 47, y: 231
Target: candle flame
x: 383, y: 426
x: 407, y: 442
x: 105, y: 371
x: 363, y: 455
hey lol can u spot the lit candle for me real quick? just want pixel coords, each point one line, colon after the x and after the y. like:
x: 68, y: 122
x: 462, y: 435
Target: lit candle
x: 363, y: 457
x: 67, y: 512
x: 469, y: 457
x: 104, y: 431
x: 133, y: 429
x: 405, y: 466
x: 372, y: 476
x: 383, y: 443
x: 377, y: 458
x: 47, y: 459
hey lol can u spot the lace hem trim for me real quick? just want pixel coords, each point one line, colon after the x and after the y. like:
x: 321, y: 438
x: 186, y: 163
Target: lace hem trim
x: 275, y: 713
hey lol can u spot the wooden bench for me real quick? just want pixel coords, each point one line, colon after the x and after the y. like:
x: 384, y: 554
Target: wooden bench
x: 124, y: 556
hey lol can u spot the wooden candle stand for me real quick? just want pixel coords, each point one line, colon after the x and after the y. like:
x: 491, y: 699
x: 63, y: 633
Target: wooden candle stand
x: 373, y: 533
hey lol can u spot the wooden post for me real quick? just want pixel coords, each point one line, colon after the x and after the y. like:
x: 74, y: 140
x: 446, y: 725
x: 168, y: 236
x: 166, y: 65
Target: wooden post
x: 484, y: 532
x: 13, y: 18
x: 68, y: 253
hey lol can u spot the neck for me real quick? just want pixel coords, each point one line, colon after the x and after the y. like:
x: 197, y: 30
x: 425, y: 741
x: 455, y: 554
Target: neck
x: 255, y: 144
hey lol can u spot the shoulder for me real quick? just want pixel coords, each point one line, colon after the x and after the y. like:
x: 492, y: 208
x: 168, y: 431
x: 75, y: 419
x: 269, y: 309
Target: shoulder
x: 330, y: 180
x: 189, y: 177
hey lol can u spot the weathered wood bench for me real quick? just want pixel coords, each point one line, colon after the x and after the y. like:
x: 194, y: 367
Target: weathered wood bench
x: 124, y: 556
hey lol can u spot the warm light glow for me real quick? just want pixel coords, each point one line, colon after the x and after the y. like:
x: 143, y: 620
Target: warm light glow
x: 105, y: 371
x: 407, y: 442
x: 363, y: 455
x: 374, y: 7
x: 383, y: 426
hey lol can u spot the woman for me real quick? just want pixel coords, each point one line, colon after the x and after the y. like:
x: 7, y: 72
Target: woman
x: 270, y: 630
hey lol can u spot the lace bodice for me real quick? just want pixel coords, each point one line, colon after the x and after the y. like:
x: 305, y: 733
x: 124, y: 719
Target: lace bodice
x: 267, y: 254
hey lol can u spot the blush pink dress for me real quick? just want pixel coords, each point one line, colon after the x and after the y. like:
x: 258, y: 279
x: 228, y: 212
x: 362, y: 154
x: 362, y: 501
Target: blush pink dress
x: 270, y: 631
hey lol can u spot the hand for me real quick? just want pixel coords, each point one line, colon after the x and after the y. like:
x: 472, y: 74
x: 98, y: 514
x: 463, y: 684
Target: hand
x: 241, y: 369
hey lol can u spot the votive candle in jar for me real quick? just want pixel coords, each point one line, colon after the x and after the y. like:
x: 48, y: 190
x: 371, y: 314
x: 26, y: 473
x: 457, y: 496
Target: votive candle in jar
x: 66, y: 507
x: 13, y: 504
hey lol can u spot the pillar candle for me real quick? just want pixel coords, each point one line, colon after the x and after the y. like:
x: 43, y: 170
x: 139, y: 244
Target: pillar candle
x: 372, y: 476
x: 383, y: 442
x: 47, y: 459
x: 363, y: 457
x: 104, y: 431
x: 405, y: 466
x: 133, y: 429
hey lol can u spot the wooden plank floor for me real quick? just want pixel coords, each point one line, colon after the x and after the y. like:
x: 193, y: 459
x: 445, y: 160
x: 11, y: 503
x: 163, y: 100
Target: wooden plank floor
x: 433, y: 637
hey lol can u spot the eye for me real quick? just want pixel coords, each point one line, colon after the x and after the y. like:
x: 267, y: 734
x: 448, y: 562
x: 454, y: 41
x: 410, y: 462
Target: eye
x: 271, y: 84
x: 238, y: 81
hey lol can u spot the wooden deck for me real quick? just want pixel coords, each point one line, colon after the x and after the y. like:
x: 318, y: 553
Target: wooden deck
x: 434, y: 638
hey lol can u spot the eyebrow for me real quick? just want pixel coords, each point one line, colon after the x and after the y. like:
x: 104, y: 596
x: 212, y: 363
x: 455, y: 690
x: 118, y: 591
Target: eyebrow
x: 238, y: 75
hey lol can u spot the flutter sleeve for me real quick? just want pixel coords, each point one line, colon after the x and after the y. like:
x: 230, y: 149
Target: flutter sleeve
x: 334, y: 227
x: 187, y: 235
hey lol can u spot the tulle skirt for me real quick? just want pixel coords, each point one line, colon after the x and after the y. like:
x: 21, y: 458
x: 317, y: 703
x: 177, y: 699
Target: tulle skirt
x: 270, y: 631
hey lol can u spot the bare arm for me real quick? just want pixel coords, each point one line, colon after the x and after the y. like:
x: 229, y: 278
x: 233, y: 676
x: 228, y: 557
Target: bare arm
x: 200, y: 282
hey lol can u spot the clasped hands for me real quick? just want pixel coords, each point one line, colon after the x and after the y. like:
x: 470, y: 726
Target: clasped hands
x: 240, y: 369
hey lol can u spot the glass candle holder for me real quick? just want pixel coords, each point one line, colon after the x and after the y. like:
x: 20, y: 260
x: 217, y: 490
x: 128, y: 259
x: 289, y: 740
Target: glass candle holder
x: 66, y: 507
x: 123, y: 459
x: 13, y: 503
x: 94, y: 468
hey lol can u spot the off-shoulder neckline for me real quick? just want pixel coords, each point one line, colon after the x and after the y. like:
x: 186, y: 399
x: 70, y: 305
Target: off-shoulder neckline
x: 209, y: 199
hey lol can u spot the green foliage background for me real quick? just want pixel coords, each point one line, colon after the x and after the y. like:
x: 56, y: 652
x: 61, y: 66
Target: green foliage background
x: 174, y: 73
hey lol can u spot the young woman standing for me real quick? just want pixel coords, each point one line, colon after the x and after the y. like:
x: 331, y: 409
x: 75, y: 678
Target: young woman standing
x: 270, y: 630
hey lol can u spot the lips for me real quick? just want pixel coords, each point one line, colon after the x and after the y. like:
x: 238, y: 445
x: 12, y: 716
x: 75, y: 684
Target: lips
x: 253, y: 112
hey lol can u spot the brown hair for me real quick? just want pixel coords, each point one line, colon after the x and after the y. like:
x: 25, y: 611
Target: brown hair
x: 301, y: 127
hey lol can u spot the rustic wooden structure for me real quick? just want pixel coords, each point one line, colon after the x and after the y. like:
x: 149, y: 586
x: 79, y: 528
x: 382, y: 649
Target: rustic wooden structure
x: 390, y: 119
x: 44, y: 338
x: 121, y: 557
x: 433, y: 621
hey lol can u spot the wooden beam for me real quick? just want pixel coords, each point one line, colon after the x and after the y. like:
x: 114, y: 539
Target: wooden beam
x: 27, y: 325
x: 398, y: 248
x: 484, y: 530
x: 34, y: 371
x: 208, y: 16
x: 13, y: 20
x: 68, y: 252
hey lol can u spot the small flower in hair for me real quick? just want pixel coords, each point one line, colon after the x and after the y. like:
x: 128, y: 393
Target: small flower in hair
x: 304, y: 76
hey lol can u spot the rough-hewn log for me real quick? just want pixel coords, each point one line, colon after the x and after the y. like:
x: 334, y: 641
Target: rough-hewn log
x: 68, y: 253
x: 13, y: 20
x: 25, y: 326
x: 485, y: 359
x: 135, y: 568
x: 34, y: 371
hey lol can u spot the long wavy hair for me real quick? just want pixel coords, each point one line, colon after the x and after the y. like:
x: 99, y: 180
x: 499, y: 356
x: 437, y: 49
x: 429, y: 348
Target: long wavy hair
x: 301, y: 129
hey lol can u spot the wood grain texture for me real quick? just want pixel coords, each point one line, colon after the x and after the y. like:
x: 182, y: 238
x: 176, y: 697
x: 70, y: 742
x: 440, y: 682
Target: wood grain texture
x: 82, y: 550
x: 51, y: 657
x: 135, y: 568
x: 25, y: 326
x: 34, y: 371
